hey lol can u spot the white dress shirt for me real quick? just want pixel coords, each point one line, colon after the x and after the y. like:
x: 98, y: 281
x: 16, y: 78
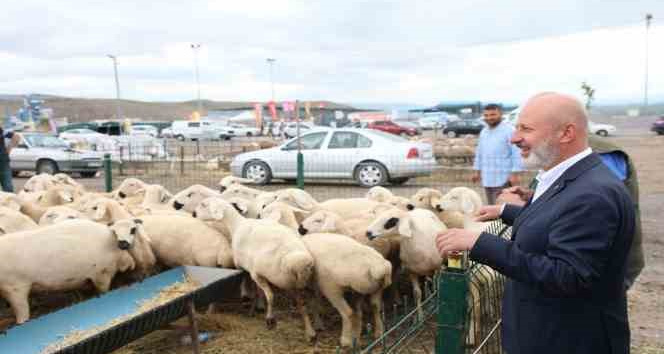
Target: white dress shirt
x: 546, y: 178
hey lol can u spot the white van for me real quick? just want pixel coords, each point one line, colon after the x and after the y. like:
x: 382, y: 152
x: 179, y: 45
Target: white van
x: 184, y: 129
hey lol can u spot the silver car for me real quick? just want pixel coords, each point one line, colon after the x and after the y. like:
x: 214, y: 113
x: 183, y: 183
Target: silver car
x: 368, y: 156
x: 46, y: 153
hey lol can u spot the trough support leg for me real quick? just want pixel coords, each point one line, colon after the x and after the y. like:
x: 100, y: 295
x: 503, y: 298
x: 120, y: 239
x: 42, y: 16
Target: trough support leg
x: 191, y: 313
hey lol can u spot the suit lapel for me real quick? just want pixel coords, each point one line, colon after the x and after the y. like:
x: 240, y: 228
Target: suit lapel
x: 571, y: 174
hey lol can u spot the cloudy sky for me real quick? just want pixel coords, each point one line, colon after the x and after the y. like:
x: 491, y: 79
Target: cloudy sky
x: 413, y: 51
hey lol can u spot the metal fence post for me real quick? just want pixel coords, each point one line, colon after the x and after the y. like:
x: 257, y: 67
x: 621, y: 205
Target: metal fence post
x: 452, y: 309
x: 181, y: 159
x: 108, y: 173
x: 300, y: 170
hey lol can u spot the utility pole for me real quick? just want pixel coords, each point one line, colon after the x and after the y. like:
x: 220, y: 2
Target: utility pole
x: 645, y: 96
x: 196, y: 47
x: 270, y: 62
x: 118, y: 110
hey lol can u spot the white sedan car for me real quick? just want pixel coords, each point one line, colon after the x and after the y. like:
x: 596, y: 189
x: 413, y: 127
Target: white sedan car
x: 369, y: 157
x: 244, y: 130
x: 601, y: 129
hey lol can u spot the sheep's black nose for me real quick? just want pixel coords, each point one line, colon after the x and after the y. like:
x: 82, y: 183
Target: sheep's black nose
x: 303, y: 231
x: 439, y: 209
x: 194, y: 213
x: 177, y: 205
x: 370, y: 235
x: 410, y: 207
x: 122, y: 195
x: 123, y: 245
x: 222, y: 189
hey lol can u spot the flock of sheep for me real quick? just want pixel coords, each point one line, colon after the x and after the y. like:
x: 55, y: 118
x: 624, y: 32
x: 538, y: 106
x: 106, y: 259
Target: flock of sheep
x: 283, y: 239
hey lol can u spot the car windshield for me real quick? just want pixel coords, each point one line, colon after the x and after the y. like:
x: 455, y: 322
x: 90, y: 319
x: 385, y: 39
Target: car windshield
x: 45, y: 141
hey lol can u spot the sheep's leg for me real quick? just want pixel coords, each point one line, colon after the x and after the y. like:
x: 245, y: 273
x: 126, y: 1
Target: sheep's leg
x: 102, y: 281
x: 302, y: 309
x: 17, y: 297
x: 336, y: 297
x: 319, y: 325
x: 357, y: 317
x: 262, y: 283
x: 394, y: 287
x: 417, y: 293
x: 377, y: 307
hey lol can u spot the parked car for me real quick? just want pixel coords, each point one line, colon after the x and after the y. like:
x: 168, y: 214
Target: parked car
x: 391, y: 127
x: 244, y: 130
x: 46, y: 153
x: 290, y: 131
x: 370, y: 157
x: 463, y: 126
x: 601, y: 129
x: 658, y: 126
x: 144, y: 130
x: 86, y: 137
x: 430, y: 123
x: 166, y: 133
x: 188, y: 130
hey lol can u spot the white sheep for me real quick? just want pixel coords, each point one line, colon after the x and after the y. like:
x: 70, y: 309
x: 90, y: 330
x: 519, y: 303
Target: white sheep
x: 188, y: 198
x: 230, y: 180
x: 12, y: 220
x: 240, y: 191
x: 283, y: 214
x: 466, y: 201
x: 69, y: 254
x: 379, y: 194
x: 65, y: 179
x: 342, y: 264
x: 129, y: 188
x: 271, y: 253
x: 58, y: 195
x: 429, y: 198
x: 347, y: 207
x: 182, y: 240
x: 57, y: 214
x: 104, y: 210
x: 29, y: 208
x: 39, y: 182
x: 418, y: 253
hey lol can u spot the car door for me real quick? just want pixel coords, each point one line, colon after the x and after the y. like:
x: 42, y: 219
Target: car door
x: 285, y: 164
x: 343, y: 151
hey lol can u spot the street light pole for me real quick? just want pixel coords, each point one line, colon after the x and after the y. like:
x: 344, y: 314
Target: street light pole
x: 270, y: 62
x: 645, y: 97
x: 118, y: 110
x: 196, y: 47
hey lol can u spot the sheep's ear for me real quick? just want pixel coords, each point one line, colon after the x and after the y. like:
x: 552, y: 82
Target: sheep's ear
x: 101, y: 211
x: 138, y: 221
x: 110, y: 224
x: 275, y: 215
x: 467, y: 205
x: 405, y: 228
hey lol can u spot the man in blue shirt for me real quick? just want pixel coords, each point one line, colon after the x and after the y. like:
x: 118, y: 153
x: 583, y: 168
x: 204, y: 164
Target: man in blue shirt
x: 497, y: 161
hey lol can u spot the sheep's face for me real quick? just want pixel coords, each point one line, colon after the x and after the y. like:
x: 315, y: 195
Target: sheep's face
x: 456, y: 200
x: 401, y: 203
x: 39, y: 183
x: 390, y: 222
x: 239, y: 191
x: 96, y: 209
x: 296, y: 198
x: 378, y: 194
x: 189, y: 198
x: 125, y: 231
x: 130, y: 187
x: 320, y: 221
x: 231, y: 180
x: 262, y: 201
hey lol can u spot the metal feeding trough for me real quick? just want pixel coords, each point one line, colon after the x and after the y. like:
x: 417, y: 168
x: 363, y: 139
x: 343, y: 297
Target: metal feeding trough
x: 35, y: 336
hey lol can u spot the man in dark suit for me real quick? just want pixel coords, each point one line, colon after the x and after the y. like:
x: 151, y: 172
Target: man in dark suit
x: 566, y: 260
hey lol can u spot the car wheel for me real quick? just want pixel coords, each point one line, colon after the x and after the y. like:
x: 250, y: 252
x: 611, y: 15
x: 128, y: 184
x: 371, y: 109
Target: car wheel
x: 399, y: 181
x: 370, y: 174
x: 451, y: 134
x: 249, y: 134
x: 660, y: 133
x: 47, y: 166
x: 602, y: 133
x: 258, y: 171
x: 88, y: 174
x: 179, y: 137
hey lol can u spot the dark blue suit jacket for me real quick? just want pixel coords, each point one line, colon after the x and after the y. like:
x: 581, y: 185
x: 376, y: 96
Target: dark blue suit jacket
x: 565, y: 265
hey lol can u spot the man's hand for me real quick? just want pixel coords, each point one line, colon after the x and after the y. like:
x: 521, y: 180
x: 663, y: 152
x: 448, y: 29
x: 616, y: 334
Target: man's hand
x: 475, y: 178
x: 455, y: 240
x: 488, y: 212
x: 514, y: 179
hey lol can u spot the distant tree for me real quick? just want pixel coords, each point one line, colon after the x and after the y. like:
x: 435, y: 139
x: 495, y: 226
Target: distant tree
x: 589, y: 92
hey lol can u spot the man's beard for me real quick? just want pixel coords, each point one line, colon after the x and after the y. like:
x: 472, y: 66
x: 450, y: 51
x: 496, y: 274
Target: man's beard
x: 541, y: 156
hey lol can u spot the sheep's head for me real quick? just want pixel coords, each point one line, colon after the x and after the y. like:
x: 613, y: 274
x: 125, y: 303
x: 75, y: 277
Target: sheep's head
x: 320, y: 221
x: 155, y: 193
x: 402, y: 203
x: 125, y: 231
x: 296, y: 198
x: 40, y: 182
x: 188, y: 198
x: 239, y: 191
x: 458, y: 199
x: 230, y: 180
x: 378, y: 194
x: 390, y: 222
x: 131, y: 236
x: 129, y: 187
x: 57, y: 214
x: 263, y: 200
x: 96, y: 209
x: 425, y: 198
x: 282, y: 213
x: 213, y: 209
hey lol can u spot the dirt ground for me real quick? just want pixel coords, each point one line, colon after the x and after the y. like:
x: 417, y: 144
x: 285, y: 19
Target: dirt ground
x: 646, y: 298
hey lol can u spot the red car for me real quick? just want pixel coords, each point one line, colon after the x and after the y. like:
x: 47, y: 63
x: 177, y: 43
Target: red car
x: 389, y: 126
